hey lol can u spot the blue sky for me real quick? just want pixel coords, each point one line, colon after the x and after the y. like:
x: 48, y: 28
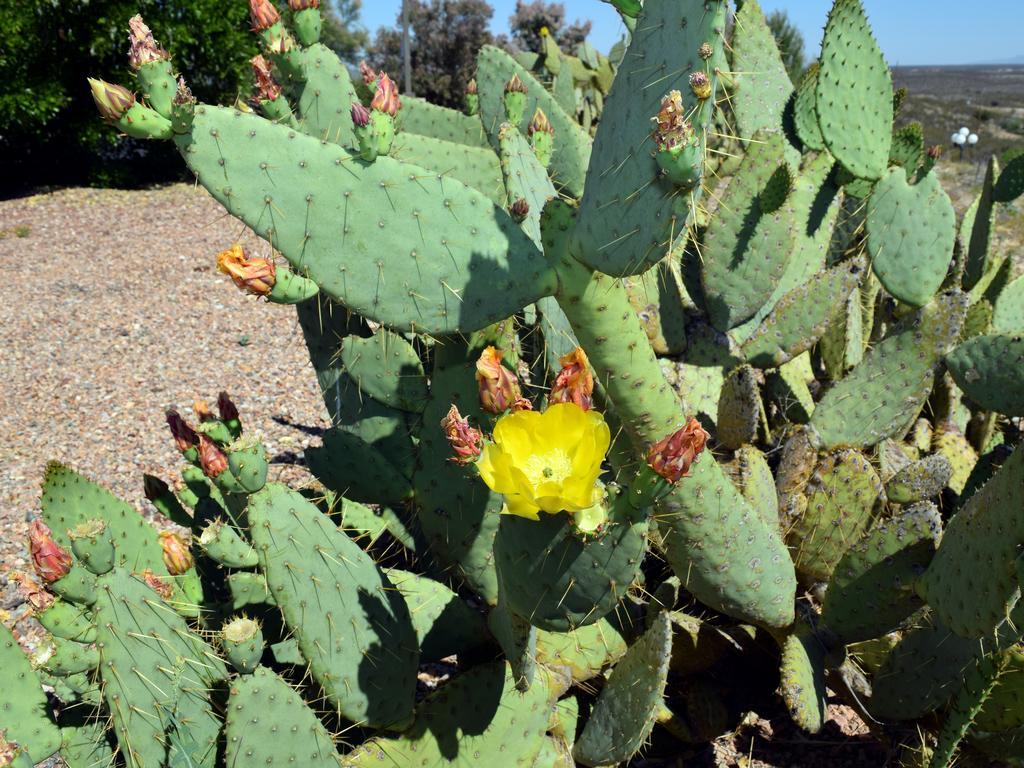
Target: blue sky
x: 909, y: 31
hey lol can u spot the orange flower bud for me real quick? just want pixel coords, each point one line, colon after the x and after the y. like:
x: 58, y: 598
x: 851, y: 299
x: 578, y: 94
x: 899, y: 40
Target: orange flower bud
x: 672, y: 456
x: 157, y: 584
x: 142, y: 48
x: 257, y: 276
x: 50, y: 560
x: 112, y: 101
x: 263, y: 14
x: 515, y: 85
x: 466, y: 441
x: 386, y: 97
x: 177, y: 556
x: 184, y: 436
x: 497, y: 385
x: 302, y: 5
x: 202, y: 410
x: 267, y: 88
x: 31, y: 591
x: 575, y: 382
x: 211, y: 458
x: 539, y: 123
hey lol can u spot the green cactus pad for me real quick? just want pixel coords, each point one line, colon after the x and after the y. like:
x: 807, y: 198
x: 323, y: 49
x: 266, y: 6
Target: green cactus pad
x: 559, y: 579
x: 748, y: 243
x: 268, y: 723
x: 1010, y: 184
x: 976, y: 228
x: 762, y: 84
x: 459, y: 515
x: 752, y: 475
x: 360, y: 641
x: 972, y: 582
x: 444, y: 623
x: 223, y: 544
x: 84, y: 742
x: 788, y: 389
x: 242, y: 642
x: 631, y: 210
x: 1008, y: 316
x: 476, y: 167
x: 425, y: 119
x: 477, y: 718
x: 348, y: 224
x: 883, y: 394
x: 157, y: 676
x: 1004, y: 709
x: 518, y: 641
x: 920, y: 674
x: 987, y: 369
x: 805, y: 111
x: 967, y: 703
x: 656, y: 298
x: 801, y: 317
x: 525, y: 178
x: 802, y: 675
x: 584, y: 652
x: 854, y: 93
x: 907, y: 149
x: 387, y: 368
x: 842, y: 495
x: 739, y: 408
x: 326, y: 97
x: 68, y: 621
x: 625, y: 711
x: 815, y: 204
x: 367, y: 524
x: 351, y: 467
x: 872, y: 588
x: 24, y: 711
x: 920, y: 480
x: 290, y: 288
x: 911, y: 230
x: 249, y: 589
x: 571, y: 157
x: 71, y: 658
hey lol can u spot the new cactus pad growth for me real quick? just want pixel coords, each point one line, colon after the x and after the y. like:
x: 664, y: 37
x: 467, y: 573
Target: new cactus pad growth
x: 629, y: 414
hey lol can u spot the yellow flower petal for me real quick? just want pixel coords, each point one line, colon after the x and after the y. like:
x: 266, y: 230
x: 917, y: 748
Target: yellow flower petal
x: 517, y: 505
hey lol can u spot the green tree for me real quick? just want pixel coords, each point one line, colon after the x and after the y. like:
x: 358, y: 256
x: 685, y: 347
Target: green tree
x: 790, y: 42
x: 525, y: 25
x: 342, y: 32
x: 446, y: 36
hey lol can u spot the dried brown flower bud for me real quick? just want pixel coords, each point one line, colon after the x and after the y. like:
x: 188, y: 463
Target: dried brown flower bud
x: 142, y: 48
x: 50, y: 560
x: 575, y: 382
x: 226, y: 408
x: 672, y: 456
x: 515, y: 85
x: 211, y: 458
x: 157, y: 584
x: 263, y: 14
x: 520, y: 209
x: 466, y: 441
x: 705, y: 51
x: 302, y: 5
x: 267, y: 88
x: 254, y: 275
x: 184, y: 436
x: 368, y: 74
x: 672, y: 129
x: 33, y: 593
x: 539, y: 123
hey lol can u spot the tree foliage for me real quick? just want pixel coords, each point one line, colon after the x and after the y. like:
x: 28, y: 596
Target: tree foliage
x: 790, y: 42
x: 446, y: 36
x: 525, y: 25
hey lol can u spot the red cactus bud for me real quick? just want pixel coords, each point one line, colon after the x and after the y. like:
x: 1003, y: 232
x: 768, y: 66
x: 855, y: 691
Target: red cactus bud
x: 360, y: 115
x: 226, y: 407
x: 31, y: 591
x: 142, y: 48
x: 211, y: 458
x: 267, y: 88
x: 497, y: 385
x: 515, y: 85
x: 575, y: 382
x: 202, y: 410
x: 368, y: 73
x: 386, y: 97
x: 302, y: 5
x: 263, y: 14
x: 154, y: 487
x: 177, y: 556
x: 254, y: 275
x: 522, y: 404
x: 539, y: 123
x: 471, y: 86
x: 112, y: 101
x: 672, y: 456
x: 700, y: 84
x: 158, y: 585
x: 520, y: 209
x: 672, y: 129
x: 466, y: 441
x: 184, y: 436
x: 50, y: 560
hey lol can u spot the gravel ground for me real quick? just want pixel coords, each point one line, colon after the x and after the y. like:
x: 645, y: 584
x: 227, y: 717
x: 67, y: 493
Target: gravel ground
x: 118, y: 313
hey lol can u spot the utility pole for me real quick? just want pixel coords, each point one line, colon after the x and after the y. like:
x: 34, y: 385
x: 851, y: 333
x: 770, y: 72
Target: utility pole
x: 406, y: 55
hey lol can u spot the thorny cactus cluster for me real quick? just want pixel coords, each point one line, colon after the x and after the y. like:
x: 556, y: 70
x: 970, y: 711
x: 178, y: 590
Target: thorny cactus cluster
x: 507, y: 315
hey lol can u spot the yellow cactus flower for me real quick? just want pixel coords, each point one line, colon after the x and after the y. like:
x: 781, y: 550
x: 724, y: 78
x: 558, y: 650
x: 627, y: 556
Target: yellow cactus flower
x: 546, y: 461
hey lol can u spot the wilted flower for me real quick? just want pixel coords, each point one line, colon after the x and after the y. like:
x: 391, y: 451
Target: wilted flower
x: 257, y: 276
x: 112, y: 101
x: 385, y: 99
x: 51, y: 561
x: 497, y: 385
x: 157, y: 584
x: 705, y: 51
x: 267, y: 88
x: 177, y: 556
x: 211, y: 458
x: 367, y: 72
x: 575, y: 382
x: 184, y: 436
x: 142, y: 48
x: 466, y: 441
x: 34, y: 594
x: 546, y: 461
x: 672, y: 456
x: 202, y: 410
x: 672, y: 129
x: 700, y: 84
x: 263, y: 14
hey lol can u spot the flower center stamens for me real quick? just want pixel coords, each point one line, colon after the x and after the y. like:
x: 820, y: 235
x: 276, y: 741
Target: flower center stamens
x: 553, y: 466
